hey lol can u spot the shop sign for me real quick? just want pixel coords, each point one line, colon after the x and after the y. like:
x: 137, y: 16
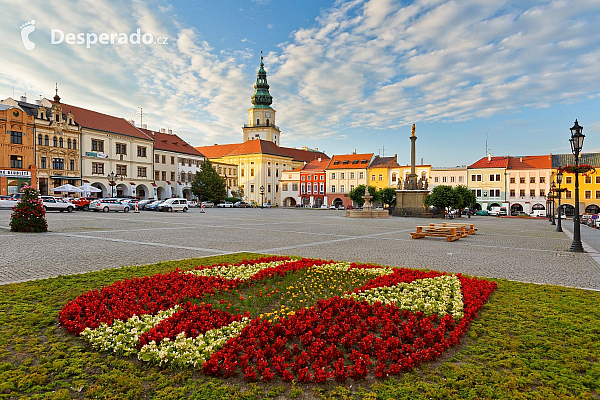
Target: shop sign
x: 15, y: 174
x: 94, y: 154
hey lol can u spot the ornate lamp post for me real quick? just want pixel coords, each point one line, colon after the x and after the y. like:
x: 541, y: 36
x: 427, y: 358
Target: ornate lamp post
x: 112, y: 181
x: 559, y: 178
x: 551, y: 205
x: 576, y: 146
x: 262, y: 196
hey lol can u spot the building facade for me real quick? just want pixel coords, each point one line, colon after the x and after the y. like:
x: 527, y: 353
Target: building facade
x: 589, y: 186
x: 384, y: 172
x: 313, y: 183
x: 17, y: 151
x: 343, y: 174
x: 448, y: 176
x: 289, y: 188
x: 487, y: 179
x: 528, y: 183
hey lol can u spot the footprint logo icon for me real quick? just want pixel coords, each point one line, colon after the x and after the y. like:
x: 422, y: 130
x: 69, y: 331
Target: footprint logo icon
x: 26, y: 29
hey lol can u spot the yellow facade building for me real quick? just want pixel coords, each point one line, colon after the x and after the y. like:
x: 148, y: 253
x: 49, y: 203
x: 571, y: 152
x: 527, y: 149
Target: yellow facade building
x: 589, y: 186
x: 384, y: 172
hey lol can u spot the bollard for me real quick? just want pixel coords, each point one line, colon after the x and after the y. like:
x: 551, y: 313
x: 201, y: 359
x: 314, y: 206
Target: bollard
x: 136, y: 208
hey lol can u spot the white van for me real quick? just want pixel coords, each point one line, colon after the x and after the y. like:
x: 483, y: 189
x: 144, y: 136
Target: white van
x: 538, y: 213
x: 174, y: 204
x: 494, y: 211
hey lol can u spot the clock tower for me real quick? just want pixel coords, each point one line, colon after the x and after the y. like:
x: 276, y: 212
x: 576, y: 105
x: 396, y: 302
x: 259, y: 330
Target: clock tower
x: 261, y: 117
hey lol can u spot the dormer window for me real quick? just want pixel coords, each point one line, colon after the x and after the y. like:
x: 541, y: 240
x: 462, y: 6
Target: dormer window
x: 345, y: 162
x: 57, y: 118
x: 336, y: 163
x: 41, y: 113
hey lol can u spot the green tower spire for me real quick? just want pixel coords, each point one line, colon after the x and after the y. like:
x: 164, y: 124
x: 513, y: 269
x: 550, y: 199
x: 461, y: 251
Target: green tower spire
x: 261, y: 97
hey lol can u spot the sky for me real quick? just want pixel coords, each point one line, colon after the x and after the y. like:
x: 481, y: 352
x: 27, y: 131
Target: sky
x: 507, y: 76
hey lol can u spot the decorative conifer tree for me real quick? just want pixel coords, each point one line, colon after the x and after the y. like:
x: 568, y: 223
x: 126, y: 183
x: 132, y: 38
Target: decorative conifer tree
x: 29, y: 214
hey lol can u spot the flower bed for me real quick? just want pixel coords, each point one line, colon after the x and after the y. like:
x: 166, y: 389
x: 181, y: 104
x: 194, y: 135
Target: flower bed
x: 308, y: 320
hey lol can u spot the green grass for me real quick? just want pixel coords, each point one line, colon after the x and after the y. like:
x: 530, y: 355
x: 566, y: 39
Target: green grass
x: 529, y: 342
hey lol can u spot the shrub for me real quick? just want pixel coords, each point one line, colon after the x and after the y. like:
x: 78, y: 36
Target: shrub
x: 29, y: 214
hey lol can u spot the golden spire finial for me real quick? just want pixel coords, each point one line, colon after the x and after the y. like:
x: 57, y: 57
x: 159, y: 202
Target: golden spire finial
x: 412, y: 130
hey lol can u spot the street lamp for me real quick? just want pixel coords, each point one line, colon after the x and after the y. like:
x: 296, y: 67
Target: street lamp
x: 262, y: 196
x: 576, y: 146
x: 112, y: 178
x: 552, y: 190
x: 559, y: 178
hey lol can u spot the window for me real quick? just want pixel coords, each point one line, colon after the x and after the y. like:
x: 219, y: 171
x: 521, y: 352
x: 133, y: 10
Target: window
x: 58, y: 163
x: 315, y: 177
x: 302, y: 188
x: 322, y: 188
x: 164, y: 159
x: 60, y: 143
x: 303, y: 178
x: 542, y: 192
x: 46, y: 141
x: 494, y: 192
x: 55, y: 142
x: 284, y: 187
x: 542, y: 179
x: 512, y: 180
x: 373, y: 177
x: 522, y: 192
x: 242, y: 172
x: 16, y: 161
x: 72, y: 165
x: 163, y: 175
x: 567, y: 194
x: 477, y: 192
x: 172, y: 160
x: 532, y: 179
x: 361, y: 175
x: 598, y: 179
x: 294, y: 187
x: 268, y: 171
x: 588, y: 179
x: 251, y: 188
x: 16, y: 137
x: 122, y: 170
x: 98, y: 145
x: 269, y: 188
x: 322, y: 177
x: 569, y: 179
x: 588, y: 194
x: 141, y: 152
x: 476, y: 178
x: 436, y: 179
x: 342, y: 189
x: 333, y: 175
x: 452, y: 179
x: 68, y: 143
x: 141, y: 171
x: 333, y: 189
x: 512, y: 192
x: 444, y: 179
x: 532, y: 193
x: 351, y: 187
x: 74, y: 143
x: 97, y: 169
x: 251, y: 171
x: 121, y: 148
x: 597, y: 193
x: 351, y: 175
x: 342, y: 175
x: 156, y: 158
x: 460, y: 179
x: 172, y: 175
x: 40, y: 141
x: 43, y: 162
x: 380, y: 177
x: 157, y: 175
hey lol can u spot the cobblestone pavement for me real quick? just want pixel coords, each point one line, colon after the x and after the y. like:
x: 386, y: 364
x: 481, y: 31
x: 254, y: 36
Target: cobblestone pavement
x: 511, y: 248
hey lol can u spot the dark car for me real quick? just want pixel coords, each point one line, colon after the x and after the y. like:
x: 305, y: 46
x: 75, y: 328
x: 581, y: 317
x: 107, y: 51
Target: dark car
x: 240, y: 204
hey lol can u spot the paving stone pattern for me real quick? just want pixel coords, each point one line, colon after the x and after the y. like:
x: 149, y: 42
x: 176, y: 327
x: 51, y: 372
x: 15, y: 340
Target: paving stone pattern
x: 79, y: 242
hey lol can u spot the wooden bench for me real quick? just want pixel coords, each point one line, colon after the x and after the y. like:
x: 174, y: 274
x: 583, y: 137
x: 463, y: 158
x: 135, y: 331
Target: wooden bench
x: 470, y: 228
x: 451, y: 233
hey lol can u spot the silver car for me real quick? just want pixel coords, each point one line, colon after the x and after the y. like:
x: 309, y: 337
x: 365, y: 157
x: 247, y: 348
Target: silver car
x: 56, y: 203
x: 106, y: 205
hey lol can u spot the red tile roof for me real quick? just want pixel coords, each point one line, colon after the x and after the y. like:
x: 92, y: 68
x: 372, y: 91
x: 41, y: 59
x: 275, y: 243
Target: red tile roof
x: 495, y: 162
x: 384, y: 162
x: 171, y: 142
x: 259, y: 146
x: 347, y: 161
x: 316, y: 165
x: 530, y: 162
x: 103, y: 122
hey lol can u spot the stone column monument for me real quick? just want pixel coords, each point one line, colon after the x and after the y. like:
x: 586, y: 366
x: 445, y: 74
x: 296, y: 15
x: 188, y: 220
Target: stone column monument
x: 409, y: 200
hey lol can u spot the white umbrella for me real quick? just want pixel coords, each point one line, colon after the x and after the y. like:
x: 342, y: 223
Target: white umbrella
x: 89, y: 188
x: 67, y: 188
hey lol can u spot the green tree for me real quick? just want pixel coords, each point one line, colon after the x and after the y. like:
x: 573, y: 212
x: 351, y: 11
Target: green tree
x: 239, y: 193
x: 208, y: 185
x: 358, y: 192
x: 29, y: 214
x: 467, y: 197
x: 388, y: 196
x: 443, y: 197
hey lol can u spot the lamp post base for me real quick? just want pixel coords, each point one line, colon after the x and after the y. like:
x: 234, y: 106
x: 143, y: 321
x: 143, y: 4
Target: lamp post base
x: 576, y: 247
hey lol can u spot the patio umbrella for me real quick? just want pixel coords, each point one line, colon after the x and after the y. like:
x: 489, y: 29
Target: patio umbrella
x: 67, y: 188
x: 89, y: 188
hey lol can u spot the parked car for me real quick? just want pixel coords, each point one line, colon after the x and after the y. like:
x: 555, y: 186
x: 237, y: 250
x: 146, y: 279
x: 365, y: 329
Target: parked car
x: 267, y: 205
x: 482, y: 212
x: 341, y: 207
x: 332, y: 207
x: 106, y: 205
x: 153, y: 205
x: 324, y: 206
x: 350, y: 208
x: 240, y: 204
x: 83, y: 203
x: 192, y: 203
x: 56, y: 203
x: 143, y: 203
x: 7, y: 202
x: 226, y: 204
x: 174, y: 204
x: 502, y: 212
x: 208, y: 204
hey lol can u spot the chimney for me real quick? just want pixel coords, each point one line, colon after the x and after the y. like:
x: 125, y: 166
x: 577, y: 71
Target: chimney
x: 132, y: 122
x: 316, y: 149
x: 162, y: 130
x: 170, y: 131
x: 354, y: 152
x: 319, y: 159
x: 421, y: 160
x: 520, y: 159
x: 396, y: 157
x: 144, y: 126
x: 24, y: 98
x: 489, y: 156
x: 38, y: 102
